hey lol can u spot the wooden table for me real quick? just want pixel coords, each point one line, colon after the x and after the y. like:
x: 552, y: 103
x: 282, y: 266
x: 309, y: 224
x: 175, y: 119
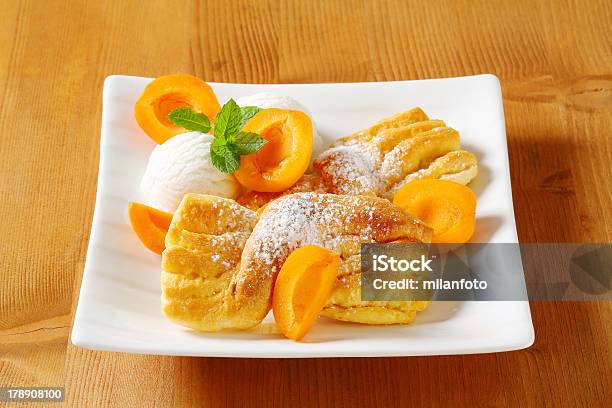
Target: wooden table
x: 554, y: 59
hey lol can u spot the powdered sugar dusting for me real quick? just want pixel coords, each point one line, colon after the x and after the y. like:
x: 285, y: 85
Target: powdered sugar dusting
x: 301, y: 219
x: 352, y: 168
x: 360, y: 166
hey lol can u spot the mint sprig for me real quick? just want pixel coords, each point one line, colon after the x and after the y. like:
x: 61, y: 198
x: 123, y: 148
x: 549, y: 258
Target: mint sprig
x: 248, y: 112
x: 229, y: 141
x: 248, y: 142
x: 227, y: 162
x: 190, y: 120
x: 229, y: 120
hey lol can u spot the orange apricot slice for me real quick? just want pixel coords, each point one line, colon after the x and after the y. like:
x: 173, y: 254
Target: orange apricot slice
x: 446, y: 206
x: 286, y: 156
x: 168, y: 93
x: 302, y: 289
x: 150, y: 224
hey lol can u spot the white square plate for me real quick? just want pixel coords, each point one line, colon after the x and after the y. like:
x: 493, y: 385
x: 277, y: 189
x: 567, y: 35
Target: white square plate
x: 119, y: 304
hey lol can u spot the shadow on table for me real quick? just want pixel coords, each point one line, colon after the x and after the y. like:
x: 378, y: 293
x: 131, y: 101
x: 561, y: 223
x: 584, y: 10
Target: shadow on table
x: 547, y: 208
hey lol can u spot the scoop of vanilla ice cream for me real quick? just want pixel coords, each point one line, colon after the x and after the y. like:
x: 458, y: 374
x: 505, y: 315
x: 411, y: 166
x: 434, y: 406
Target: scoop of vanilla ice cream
x: 182, y: 165
x: 267, y: 100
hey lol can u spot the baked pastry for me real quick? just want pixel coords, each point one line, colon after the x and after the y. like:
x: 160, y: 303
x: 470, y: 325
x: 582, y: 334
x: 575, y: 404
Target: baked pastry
x: 203, y: 248
x: 379, y: 160
x: 308, y: 183
x: 345, y: 303
x: 210, y: 282
x: 406, y: 118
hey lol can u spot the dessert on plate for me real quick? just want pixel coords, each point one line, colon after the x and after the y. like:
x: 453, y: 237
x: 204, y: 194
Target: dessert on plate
x: 221, y: 259
x: 245, y: 223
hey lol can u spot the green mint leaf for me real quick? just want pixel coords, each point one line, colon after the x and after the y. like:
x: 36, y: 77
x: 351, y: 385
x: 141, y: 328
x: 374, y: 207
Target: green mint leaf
x: 248, y: 143
x: 219, y: 145
x: 228, y: 120
x: 229, y: 142
x: 190, y: 120
x: 248, y: 112
x: 224, y: 158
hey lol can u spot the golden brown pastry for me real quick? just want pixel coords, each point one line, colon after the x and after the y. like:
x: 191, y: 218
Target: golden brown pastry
x: 379, y: 160
x: 402, y: 119
x: 345, y: 304
x: 382, y: 158
x: 308, y: 183
x: 210, y: 283
x: 203, y: 248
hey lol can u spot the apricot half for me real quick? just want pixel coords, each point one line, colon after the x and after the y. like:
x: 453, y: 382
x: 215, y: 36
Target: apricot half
x: 150, y: 224
x: 286, y: 156
x: 168, y: 93
x: 302, y: 289
x: 449, y: 208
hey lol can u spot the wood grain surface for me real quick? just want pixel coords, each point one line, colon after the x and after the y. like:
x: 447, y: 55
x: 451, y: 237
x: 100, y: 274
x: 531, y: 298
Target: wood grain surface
x: 554, y: 60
